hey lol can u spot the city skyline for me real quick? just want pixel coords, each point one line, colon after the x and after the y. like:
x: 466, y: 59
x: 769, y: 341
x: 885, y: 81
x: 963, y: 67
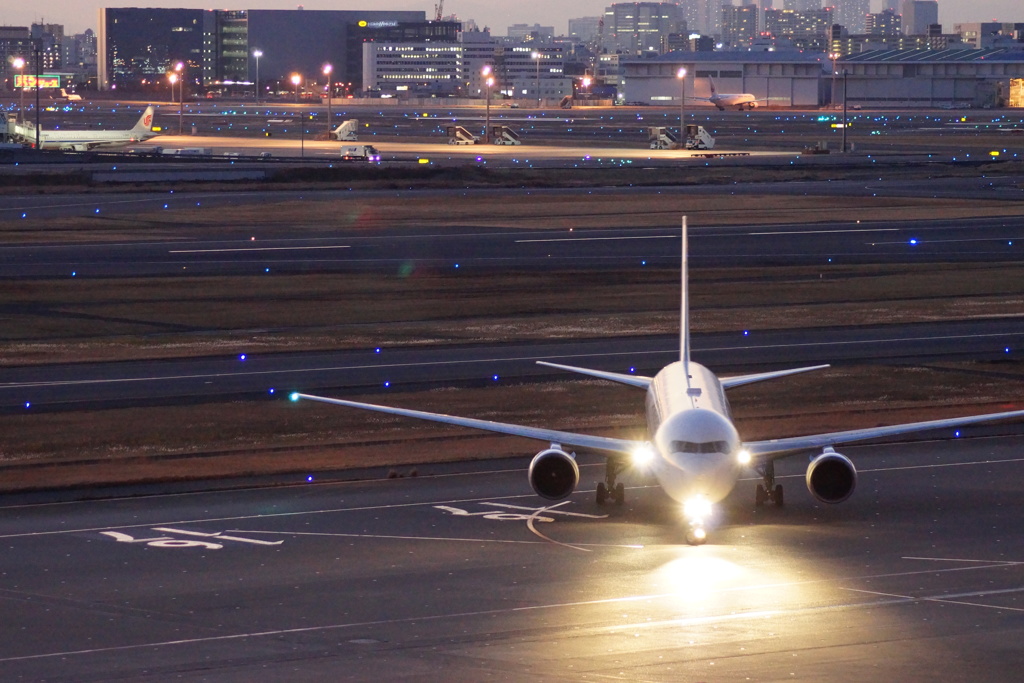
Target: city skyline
x: 84, y: 15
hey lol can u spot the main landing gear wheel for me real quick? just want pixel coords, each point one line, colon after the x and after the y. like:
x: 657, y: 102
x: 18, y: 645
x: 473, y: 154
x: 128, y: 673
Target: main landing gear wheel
x: 608, y: 489
x: 769, y: 491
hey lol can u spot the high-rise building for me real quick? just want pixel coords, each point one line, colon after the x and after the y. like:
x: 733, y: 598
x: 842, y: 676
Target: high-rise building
x: 636, y: 27
x: 584, y: 29
x: 137, y: 45
x: 808, y: 30
x: 739, y: 25
x: 885, y: 23
x: 527, y: 33
x: 801, y: 5
x: 918, y: 15
x: 852, y: 14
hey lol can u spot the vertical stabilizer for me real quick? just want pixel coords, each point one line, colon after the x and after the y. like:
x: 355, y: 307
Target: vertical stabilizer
x: 711, y: 81
x: 145, y: 122
x: 684, y: 313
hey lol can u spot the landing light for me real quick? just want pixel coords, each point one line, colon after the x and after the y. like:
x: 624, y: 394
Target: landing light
x: 743, y: 457
x: 643, y: 455
x: 696, y: 509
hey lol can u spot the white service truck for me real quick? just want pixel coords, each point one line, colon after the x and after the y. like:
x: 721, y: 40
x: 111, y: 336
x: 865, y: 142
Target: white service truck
x: 360, y: 153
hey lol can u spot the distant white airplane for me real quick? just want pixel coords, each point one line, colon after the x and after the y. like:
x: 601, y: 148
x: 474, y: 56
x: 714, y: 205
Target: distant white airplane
x: 694, y: 450
x: 70, y: 97
x: 722, y: 100
x: 85, y: 140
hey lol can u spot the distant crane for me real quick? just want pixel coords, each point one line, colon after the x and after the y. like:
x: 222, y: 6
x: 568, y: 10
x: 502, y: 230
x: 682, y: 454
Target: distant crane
x: 438, y: 9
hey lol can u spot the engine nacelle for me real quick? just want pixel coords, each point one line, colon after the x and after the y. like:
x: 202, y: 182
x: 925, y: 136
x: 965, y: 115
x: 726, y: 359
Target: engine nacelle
x: 554, y: 474
x: 831, y: 477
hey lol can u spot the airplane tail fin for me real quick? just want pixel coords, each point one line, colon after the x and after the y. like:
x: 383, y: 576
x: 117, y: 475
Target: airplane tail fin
x: 684, y: 313
x: 711, y: 81
x: 145, y: 123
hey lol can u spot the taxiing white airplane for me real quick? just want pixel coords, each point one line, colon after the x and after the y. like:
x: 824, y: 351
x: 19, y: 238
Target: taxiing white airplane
x: 85, y: 140
x: 70, y: 96
x: 694, y: 450
x: 721, y: 100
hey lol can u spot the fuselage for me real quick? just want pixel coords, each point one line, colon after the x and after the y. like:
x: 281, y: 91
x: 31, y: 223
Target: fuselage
x: 722, y: 101
x: 56, y: 140
x: 692, y: 433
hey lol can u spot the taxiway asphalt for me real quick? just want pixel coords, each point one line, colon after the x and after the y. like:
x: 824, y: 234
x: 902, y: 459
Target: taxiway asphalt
x: 462, y: 574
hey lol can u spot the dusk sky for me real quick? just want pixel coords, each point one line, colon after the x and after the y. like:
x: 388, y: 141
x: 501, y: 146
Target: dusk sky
x: 82, y: 14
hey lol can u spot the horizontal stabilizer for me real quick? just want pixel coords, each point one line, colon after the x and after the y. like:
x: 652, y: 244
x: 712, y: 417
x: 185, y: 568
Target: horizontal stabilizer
x: 631, y: 380
x: 740, y: 380
x: 598, y: 443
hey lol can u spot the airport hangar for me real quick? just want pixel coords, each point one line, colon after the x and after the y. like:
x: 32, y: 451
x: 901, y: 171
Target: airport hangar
x: 878, y: 78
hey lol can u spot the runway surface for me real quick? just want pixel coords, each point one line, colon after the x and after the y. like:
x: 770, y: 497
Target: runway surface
x: 462, y: 574
x: 80, y: 386
x: 349, y: 248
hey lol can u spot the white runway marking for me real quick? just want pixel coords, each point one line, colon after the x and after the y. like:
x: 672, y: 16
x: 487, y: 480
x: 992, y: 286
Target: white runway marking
x: 600, y: 239
x: 217, y: 251
x: 827, y: 232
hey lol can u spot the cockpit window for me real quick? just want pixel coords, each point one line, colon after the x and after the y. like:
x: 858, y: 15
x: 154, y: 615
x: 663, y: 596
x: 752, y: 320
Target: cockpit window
x: 701, y: 447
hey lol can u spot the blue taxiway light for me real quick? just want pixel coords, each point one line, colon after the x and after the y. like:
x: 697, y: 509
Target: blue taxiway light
x: 241, y: 356
x: 294, y: 396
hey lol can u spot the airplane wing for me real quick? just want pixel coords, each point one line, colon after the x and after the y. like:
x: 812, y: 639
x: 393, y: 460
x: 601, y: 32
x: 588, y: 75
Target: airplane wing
x: 740, y: 380
x: 632, y: 380
x: 777, y: 448
x: 599, y: 443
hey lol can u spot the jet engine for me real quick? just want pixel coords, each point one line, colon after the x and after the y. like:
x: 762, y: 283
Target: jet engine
x: 831, y: 477
x: 554, y: 474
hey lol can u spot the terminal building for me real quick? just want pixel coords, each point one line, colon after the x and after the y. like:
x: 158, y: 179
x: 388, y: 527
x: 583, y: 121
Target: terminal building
x: 527, y: 70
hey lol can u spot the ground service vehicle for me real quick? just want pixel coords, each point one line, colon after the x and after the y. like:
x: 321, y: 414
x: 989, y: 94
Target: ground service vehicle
x: 360, y: 153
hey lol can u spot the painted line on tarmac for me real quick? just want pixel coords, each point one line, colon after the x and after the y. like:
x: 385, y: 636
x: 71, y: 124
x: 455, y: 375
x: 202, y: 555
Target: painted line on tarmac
x: 217, y: 251
x: 508, y: 359
x: 829, y: 232
x: 600, y: 239
x: 461, y: 616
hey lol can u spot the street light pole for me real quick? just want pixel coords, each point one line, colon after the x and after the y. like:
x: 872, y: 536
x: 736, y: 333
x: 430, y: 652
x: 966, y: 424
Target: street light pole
x: 537, y: 56
x: 257, y: 54
x: 488, y: 82
x: 179, y: 70
x: 296, y: 79
x: 19, y: 64
x: 832, y: 96
x: 37, y: 49
x: 327, y: 72
x: 681, y: 75
x: 844, y: 111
